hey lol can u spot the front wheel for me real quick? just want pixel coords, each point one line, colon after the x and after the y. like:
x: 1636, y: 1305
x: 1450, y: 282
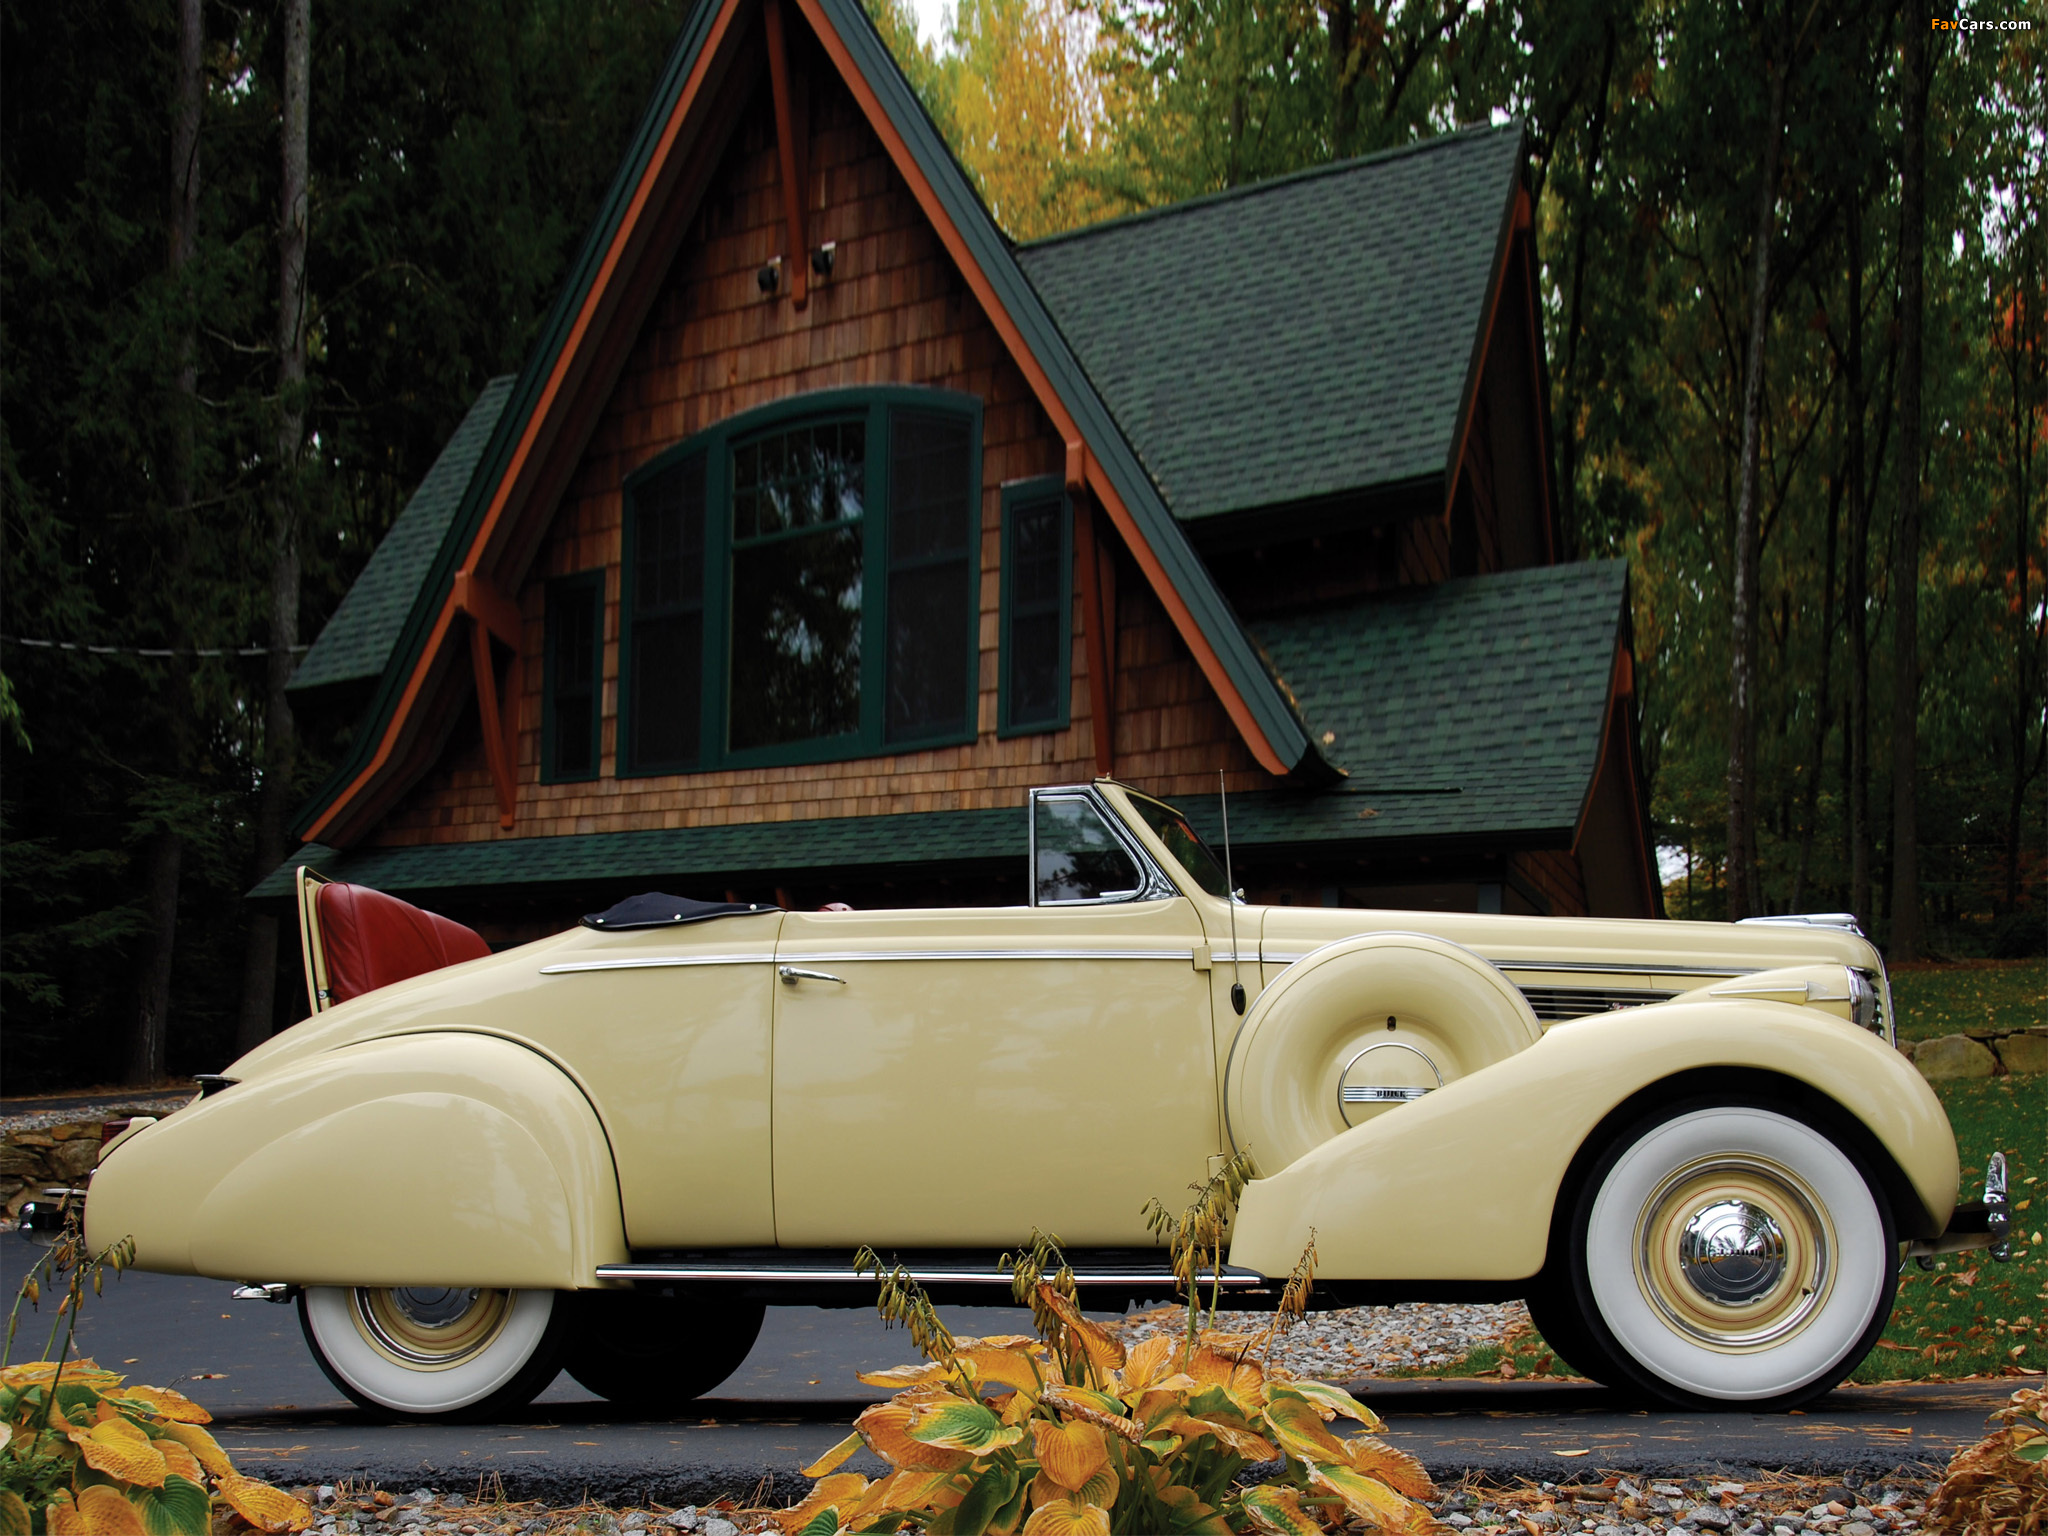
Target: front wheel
x: 435, y: 1351
x: 1727, y: 1253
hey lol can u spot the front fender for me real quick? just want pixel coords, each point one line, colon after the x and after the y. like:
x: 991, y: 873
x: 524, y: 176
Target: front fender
x: 439, y: 1159
x: 1461, y: 1185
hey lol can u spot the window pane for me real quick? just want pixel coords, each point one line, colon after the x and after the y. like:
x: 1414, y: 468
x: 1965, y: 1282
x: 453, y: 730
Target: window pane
x: 668, y: 684
x: 1034, y: 668
x: 928, y: 651
x: 796, y: 615
x: 930, y: 502
x: 1080, y: 859
x: 1035, y: 552
x: 1185, y: 844
x: 804, y: 478
x: 572, y: 681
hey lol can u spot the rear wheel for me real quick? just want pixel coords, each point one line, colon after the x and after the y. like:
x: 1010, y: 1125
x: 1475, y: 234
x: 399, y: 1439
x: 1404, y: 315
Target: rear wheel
x: 645, y: 1348
x: 435, y: 1351
x: 1729, y: 1253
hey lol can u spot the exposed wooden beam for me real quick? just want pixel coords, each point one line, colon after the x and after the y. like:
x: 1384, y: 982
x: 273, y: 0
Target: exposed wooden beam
x: 789, y: 144
x: 493, y: 616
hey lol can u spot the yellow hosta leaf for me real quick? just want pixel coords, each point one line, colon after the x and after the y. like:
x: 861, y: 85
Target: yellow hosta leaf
x: 884, y: 1428
x: 179, y: 1462
x: 14, y: 1516
x: 1025, y: 1342
x: 1103, y: 1352
x: 1236, y: 1434
x: 1005, y: 1367
x: 1100, y: 1490
x: 76, y: 1373
x: 1299, y: 1429
x: 108, y: 1513
x: 120, y: 1450
x: 1018, y: 1407
x: 1230, y: 1369
x: 1372, y: 1500
x: 835, y: 1457
x: 265, y: 1507
x: 1069, y: 1454
x: 6, y: 1434
x: 1278, y: 1512
x: 902, y: 1491
x: 906, y: 1375
x: 62, y: 1518
x: 202, y: 1445
x: 1087, y: 1406
x: 960, y: 1425
x: 166, y: 1404
x: 1397, y: 1469
x: 840, y: 1493
x: 1148, y: 1361
x: 1065, y: 1517
x: 1331, y: 1401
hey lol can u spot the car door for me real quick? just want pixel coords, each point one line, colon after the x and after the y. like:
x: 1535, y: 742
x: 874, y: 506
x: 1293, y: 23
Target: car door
x: 949, y: 1078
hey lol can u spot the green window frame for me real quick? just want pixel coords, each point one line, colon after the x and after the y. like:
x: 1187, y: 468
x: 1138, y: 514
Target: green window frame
x: 766, y: 524
x: 1035, y: 652
x: 572, y: 691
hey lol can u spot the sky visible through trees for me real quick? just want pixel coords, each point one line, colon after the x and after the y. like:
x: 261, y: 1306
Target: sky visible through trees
x: 1750, y: 387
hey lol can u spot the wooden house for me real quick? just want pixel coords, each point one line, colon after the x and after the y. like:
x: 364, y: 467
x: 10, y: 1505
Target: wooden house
x: 824, y: 521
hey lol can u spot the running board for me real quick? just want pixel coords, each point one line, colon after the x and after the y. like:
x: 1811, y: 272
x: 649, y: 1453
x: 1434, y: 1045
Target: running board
x: 1232, y: 1278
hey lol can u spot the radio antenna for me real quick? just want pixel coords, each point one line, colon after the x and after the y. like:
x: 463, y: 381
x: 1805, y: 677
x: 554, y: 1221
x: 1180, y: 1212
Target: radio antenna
x: 1230, y: 896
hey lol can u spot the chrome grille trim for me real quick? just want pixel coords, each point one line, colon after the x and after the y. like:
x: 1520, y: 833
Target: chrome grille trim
x: 1553, y: 1005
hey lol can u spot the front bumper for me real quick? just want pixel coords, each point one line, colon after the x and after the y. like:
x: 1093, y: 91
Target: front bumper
x: 1976, y: 1224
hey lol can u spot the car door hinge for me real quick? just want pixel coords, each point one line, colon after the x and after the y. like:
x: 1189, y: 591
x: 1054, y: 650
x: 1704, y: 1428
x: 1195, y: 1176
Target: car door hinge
x: 1201, y: 957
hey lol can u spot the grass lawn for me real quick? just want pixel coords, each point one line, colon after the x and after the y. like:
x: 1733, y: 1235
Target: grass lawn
x: 1987, y: 994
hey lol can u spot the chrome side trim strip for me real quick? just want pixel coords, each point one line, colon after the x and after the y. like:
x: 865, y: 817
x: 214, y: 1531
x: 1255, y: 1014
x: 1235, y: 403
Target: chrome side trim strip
x: 842, y: 956
x: 1232, y: 1278
x: 1626, y: 969
x: 651, y: 962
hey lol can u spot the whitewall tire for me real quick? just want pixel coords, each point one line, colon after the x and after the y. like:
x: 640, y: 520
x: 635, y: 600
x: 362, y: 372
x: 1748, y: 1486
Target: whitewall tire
x: 434, y: 1352
x: 1729, y: 1253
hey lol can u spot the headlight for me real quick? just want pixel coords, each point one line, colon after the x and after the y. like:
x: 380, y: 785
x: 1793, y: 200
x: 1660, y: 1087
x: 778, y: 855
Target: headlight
x: 1869, y: 1004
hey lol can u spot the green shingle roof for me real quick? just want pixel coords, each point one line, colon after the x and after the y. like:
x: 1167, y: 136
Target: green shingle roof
x: 781, y: 847
x: 1471, y: 708
x: 1295, y: 340
x: 358, y: 640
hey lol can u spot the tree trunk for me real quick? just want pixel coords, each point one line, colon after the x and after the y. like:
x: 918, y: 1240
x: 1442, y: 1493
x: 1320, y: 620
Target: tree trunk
x: 1743, y: 897
x: 163, y: 851
x: 2029, y: 740
x: 259, y: 977
x: 1810, y: 808
x: 163, y: 855
x: 1905, y: 934
x: 1340, y: 17
x: 1568, y: 445
x: 1856, y: 585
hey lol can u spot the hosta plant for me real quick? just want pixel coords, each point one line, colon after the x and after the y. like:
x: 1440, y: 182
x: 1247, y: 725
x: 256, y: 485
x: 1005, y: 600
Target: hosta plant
x: 84, y: 1454
x: 1069, y: 1433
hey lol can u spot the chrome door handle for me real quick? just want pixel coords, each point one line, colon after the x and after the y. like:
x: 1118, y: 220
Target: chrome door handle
x: 792, y: 974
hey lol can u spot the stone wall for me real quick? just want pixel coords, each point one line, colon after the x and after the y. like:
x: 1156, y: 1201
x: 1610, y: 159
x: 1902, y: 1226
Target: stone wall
x: 1980, y: 1053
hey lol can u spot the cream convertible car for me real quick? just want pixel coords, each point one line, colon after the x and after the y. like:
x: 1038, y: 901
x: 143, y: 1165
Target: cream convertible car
x: 1690, y: 1145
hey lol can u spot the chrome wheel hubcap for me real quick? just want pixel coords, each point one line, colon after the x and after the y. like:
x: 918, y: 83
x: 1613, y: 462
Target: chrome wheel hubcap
x: 1735, y: 1252
x: 430, y: 1328
x: 1732, y: 1253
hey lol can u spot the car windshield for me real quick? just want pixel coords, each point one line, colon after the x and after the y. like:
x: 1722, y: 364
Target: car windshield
x: 1187, y: 848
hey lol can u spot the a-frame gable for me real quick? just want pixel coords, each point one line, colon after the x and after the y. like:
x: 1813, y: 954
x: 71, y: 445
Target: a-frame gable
x: 447, y: 645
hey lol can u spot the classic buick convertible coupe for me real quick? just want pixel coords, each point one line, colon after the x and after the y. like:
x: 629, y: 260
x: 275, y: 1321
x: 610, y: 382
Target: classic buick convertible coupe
x: 1691, y: 1146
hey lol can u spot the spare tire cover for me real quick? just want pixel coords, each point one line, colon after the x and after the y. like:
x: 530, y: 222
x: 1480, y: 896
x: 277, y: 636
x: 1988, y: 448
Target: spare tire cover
x: 1405, y: 1008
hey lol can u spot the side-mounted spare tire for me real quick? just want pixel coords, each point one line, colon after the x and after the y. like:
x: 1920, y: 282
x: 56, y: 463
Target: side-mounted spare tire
x: 1358, y: 1028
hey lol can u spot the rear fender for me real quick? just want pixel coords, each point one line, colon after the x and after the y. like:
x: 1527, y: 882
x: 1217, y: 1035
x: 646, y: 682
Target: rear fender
x: 1461, y: 1184
x: 435, y: 1159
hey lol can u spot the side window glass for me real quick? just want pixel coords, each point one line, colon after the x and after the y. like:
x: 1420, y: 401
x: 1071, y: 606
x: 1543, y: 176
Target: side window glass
x: 1079, y: 859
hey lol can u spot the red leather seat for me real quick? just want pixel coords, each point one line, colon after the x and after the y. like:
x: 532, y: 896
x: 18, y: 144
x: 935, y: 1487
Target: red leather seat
x: 369, y: 940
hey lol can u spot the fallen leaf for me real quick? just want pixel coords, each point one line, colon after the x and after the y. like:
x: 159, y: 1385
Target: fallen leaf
x: 1587, y: 1452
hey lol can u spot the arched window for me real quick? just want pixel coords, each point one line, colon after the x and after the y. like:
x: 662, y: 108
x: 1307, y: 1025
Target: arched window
x: 799, y: 585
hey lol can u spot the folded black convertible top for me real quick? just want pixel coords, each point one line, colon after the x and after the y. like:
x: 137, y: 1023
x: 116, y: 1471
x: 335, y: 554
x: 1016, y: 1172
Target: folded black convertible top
x: 654, y: 909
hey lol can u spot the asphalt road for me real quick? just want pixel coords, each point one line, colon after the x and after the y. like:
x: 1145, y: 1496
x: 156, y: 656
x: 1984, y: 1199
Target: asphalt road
x: 795, y: 1395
